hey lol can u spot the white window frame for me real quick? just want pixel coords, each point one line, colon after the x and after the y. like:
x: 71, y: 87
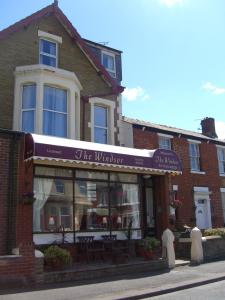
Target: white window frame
x: 28, y: 109
x: 165, y: 137
x: 197, y: 157
x: 47, y: 54
x: 107, y: 120
x: 49, y: 38
x: 55, y: 111
x: 111, y: 72
x: 44, y: 75
x: 110, y: 105
x: 221, y: 162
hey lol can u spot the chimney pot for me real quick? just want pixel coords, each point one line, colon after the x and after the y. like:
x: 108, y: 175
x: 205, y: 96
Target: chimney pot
x: 208, y: 127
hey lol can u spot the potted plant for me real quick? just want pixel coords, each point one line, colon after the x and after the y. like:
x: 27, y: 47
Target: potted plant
x: 28, y: 198
x: 57, y: 258
x: 148, y: 247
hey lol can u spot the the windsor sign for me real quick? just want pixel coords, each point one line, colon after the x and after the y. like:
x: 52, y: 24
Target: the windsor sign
x: 161, y: 159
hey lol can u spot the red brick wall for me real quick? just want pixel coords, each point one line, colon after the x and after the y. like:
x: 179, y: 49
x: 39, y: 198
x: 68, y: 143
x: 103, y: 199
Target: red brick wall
x: 15, y: 217
x: 211, y: 179
x: 4, y: 164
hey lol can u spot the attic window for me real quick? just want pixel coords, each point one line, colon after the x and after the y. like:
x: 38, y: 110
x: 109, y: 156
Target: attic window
x: 108, y: 61
x: 48, y: 53
x: 48, y: 48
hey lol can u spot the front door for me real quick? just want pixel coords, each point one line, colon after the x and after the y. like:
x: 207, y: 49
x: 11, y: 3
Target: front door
x: 202, y: 213
x: 150, y: 215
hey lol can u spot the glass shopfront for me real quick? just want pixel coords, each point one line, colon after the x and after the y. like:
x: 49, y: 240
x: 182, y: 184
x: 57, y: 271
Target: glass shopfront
x: 73, y: 200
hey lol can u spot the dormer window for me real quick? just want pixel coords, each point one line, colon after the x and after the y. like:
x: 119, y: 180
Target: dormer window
x: 48, y: 53
x: 108, y: 61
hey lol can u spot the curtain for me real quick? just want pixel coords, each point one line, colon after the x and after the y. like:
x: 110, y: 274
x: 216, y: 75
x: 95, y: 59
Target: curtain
x: 42, y: 190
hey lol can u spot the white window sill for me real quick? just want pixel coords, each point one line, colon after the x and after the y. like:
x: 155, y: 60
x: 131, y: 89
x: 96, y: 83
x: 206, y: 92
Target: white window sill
x: 222, y: 175
x: 198, y: 172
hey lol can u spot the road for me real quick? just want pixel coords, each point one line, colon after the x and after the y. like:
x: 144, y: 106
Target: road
x: 213, y: 291
x: 129, y: 287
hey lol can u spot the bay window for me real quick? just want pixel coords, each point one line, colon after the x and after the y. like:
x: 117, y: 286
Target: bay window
x: 47, y: 101
x: 55, y: 112
x: 28, y: 107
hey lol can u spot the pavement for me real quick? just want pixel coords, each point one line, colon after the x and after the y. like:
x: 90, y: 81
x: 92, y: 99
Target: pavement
x: 131, y: 286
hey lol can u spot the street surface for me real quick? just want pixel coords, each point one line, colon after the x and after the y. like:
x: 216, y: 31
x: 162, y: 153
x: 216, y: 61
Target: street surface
x: 130, y: 287
x: 213, y: 291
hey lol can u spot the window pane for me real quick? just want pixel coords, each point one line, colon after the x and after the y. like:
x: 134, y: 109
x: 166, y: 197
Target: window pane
x: 55, y: 99
x: 164, y: 143
x: 29, y: 96
x: 53, y: 171
x: 48, y: 206
x: 100, y: 116
x: 91, y: 205
x: 55, y: 124
x: 108, y: 62
x: 91, y: 175
x: 123, y: 177
x: 125, y: 212
x: 48, y: 47
x: 100, y: 135
x: 28, y: 121
x: 47, y: 60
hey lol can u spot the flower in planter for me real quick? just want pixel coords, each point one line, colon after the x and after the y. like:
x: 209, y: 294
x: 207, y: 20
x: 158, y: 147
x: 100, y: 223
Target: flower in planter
x: 28, y: 198
x: 175, y: 203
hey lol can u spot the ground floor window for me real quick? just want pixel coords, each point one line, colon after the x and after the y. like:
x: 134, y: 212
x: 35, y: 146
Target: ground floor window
x: 79, y: 201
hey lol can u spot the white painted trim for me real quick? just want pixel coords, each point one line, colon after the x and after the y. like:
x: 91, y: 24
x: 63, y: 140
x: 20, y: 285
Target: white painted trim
x: 201, y: 189
x: 44, y: 75
x: 198, y: 172
x: 49, y: 36
x: 175, y: 187
x: 165, y: 135
x: 110, y: 105
x: 194, y: 141
x: 222, y: 190
x: 219, y: 146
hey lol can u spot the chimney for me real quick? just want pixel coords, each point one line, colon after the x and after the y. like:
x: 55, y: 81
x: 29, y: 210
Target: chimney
x: 208, y: 127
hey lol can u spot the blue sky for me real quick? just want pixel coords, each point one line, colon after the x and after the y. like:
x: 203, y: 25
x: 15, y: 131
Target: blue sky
x: 173, y: 53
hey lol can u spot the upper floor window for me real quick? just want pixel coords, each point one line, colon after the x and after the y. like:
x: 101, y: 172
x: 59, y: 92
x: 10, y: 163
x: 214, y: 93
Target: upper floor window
x: 48, y: 52
x: 100, y: 124
x: 221, y: 160
x: 165, y: 142
x: 194, y: 156
x: 41, y: 106
x: 55, y: 112
x: 28, y: 107
x: 108, y: 61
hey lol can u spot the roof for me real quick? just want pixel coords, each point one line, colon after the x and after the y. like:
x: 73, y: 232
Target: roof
x: 53, y: 9
x: 102, y: 46
x: 172, y: 130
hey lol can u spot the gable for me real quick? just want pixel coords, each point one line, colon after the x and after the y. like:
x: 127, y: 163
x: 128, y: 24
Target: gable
x: 54, y: 10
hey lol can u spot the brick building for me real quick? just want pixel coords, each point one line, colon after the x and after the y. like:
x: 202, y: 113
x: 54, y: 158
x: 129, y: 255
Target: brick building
x: 201, y: 187
x: 64, y: 92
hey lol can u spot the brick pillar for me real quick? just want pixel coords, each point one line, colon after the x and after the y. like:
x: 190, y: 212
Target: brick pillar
x: 161, y: 186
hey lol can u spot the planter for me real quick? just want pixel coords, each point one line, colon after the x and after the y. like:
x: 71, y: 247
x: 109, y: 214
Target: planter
x: 54, y: 264
x: 28, y: 200
x: 148, y: 255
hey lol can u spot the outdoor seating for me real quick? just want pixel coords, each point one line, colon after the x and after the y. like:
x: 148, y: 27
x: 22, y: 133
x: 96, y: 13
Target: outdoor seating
x: 89, y: 249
